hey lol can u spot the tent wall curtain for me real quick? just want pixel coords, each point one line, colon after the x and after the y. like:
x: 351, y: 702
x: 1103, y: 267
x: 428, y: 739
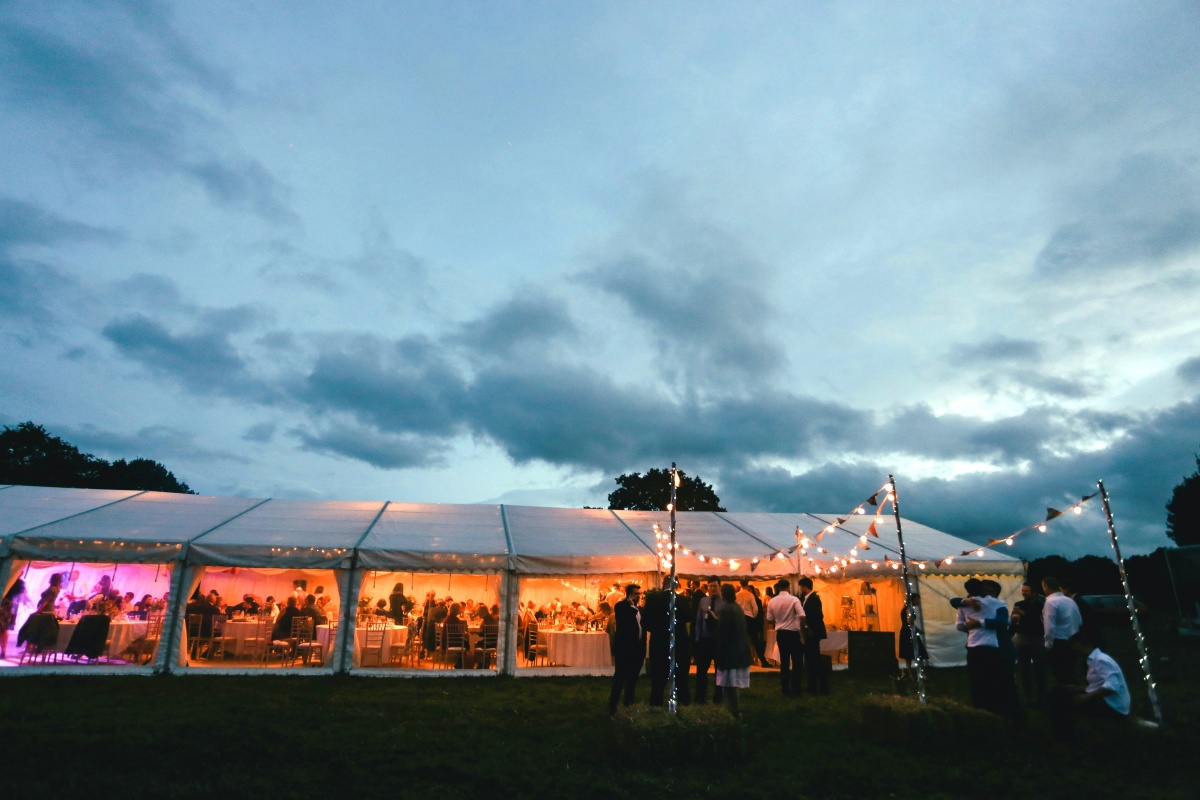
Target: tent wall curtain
x: 349, y: 618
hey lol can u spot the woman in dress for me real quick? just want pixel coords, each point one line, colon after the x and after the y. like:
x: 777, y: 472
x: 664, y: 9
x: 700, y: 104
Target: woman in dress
x: 50, y: 596
x: 733, y: 649
x: 14, y: 598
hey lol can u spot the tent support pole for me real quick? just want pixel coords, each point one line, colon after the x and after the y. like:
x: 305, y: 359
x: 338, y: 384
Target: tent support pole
x: 510, y: 596
x: 915, y: 622
x: 672, y: 706
x: 169, y: 642
x: 1144, y: 657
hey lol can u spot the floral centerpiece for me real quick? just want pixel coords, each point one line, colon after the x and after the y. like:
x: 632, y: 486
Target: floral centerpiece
x: 364, y: 610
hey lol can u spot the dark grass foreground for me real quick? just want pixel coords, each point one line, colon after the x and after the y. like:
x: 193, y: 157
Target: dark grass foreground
x: 217, y: 736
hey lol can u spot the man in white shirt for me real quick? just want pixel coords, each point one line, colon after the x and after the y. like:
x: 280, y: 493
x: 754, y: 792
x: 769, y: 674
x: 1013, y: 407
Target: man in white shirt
x: 1106, y: 695
x: 787, y: 613
x: 1061, y: 620
x: 983, y: 647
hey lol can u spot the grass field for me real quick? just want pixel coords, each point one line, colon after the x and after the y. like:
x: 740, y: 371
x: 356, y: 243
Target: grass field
x: 222, y: 736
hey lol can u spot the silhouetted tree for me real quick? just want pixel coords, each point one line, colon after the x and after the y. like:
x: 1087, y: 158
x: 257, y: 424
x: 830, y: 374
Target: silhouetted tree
x: 30, y: 456
x: 652, y: 492
x: 1183, y: 511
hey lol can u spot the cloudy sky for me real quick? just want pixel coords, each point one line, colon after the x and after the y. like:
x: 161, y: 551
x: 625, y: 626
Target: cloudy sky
x: 469, y: 252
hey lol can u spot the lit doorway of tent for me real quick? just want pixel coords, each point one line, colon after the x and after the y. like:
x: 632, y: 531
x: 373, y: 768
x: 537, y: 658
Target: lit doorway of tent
x: 428, y: 621
x: 240, y: 618
x: 91, y: 613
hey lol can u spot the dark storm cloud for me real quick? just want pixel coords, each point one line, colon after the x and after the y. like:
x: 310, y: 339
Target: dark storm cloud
x: 373, y: 447
x: 23, y: 223
x: 203, y: 360
x: 261, y: 433
x: 998, y: 349
x: 1055, y: 385
x: 918, y: 431
x: 31, y: 287
x: 1151, y: 454
x: 1147, y: 214
x: 30, y: 292
x: 406, y: 386
x: 523, y: 323
x: 107, y: 89
x: 1189, y: 370
x: 702, y: 295
x: 158, y: 442
x: 243, y: 183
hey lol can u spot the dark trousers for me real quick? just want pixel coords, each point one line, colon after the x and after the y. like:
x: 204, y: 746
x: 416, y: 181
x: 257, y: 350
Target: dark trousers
x: 983, y: 671
x: 1031, y: 664
x: 705, y: 653
x: 789, y: 660
x: 815, y: 668
x: 625, y: 676
x: 754, y: 625
x: 1062, y: 662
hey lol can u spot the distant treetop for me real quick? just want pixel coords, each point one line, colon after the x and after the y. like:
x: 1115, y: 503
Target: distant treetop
x: 652, y: 492
x: 30, y: 456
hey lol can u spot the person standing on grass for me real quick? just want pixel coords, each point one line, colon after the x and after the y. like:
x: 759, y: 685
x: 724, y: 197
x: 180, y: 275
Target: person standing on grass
x: 629, y: 647
x: 814, y: 632
x: 733, y: 650
x: 1060, y: 621
x: 787, y: 613
x: 705, y: 632
x: 1029, y: 638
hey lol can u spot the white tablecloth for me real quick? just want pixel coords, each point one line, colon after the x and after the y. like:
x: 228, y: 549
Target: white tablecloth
x: 836, y: 642
x: 576, y: 648
x: 241, y: 630
x: 391, y: 636
x: 120, y: 635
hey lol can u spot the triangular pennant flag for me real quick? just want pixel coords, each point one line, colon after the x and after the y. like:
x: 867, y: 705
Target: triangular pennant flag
x: 939, y: 563
x: 874, y: 499
x: 841, y: 521
x: 991, y: 542
x: 966, y: 552
x: 1089, y: 497
x: 871, y: 530
x: 1051, y: 513
x: 753, y: 566
x: 819, y: 535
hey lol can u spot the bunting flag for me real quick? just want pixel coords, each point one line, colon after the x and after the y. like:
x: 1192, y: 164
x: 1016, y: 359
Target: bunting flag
x: 1051, y: 513
x: 871, y: 529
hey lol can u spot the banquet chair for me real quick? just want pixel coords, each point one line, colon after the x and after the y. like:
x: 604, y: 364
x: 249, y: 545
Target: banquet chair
x: 144, y: 645
x: 537, y: 647
x: 373, y: 644
x: 453, y: 646
x: 488, y: 644
x: 415, y: 644
x: 194, y: 624
x: 257, y: 646
x: 40, y: 634
x: 312, y: 651
x: 90, y: 639
x: 219, y: 643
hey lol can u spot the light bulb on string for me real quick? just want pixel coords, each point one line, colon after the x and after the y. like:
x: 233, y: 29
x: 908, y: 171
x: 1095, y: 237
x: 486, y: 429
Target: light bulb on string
x: 1042, y: 528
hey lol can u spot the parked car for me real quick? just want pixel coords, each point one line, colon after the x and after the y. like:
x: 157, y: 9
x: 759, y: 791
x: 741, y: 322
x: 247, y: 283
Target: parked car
x: 1112, y: 608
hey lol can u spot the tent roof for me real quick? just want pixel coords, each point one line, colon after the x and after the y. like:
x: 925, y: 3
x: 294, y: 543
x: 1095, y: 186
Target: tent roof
x: 100, y: 525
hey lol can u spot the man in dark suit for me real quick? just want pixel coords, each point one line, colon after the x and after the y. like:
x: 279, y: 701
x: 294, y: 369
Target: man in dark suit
x: 629, y: 647
x: 814, y: 623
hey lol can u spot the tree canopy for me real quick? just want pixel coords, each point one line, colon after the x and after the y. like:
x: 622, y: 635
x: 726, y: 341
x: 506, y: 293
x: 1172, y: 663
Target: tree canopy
x: 30, y: 456
x: 652, y: 492
x: 1183, y: 510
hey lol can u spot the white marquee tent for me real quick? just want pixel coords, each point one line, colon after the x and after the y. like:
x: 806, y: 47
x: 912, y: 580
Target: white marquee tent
x: 498, y: 551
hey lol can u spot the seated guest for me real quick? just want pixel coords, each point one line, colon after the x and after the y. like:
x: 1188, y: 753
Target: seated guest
x: 310, y: 611
x: 381, y: 610
x: 283, y: 626
x: 249, y: 606
x: 145, y: 605
x: 127, y: 602
x: 101, y: 590
x: 1106, y: 695
x: 326, y: 608
x: 269, y: 606
x: 455, y: 628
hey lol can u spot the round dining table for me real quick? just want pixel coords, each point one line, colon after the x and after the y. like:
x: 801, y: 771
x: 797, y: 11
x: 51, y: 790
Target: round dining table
x: 120, y: 635
x: 576, y: 648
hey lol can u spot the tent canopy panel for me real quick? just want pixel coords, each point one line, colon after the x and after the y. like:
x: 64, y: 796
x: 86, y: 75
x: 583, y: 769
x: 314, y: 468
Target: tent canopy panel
x: 25, y: 507
x: 438, y: 538
x: 288, y: 533
x: 551, y: 541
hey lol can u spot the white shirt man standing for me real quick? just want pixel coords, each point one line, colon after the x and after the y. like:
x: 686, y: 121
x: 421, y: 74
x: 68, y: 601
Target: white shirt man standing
x: 787, y: 613
x: 1061, y: 620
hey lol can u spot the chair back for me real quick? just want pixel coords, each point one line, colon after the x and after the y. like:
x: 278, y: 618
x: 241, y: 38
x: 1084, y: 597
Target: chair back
x: 491, y: 635
x: 374, y: 637
x: 301, y: 628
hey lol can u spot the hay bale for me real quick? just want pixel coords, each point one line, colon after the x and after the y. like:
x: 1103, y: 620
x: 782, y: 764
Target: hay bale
x: 649, y: 735
x: 891, y: 719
